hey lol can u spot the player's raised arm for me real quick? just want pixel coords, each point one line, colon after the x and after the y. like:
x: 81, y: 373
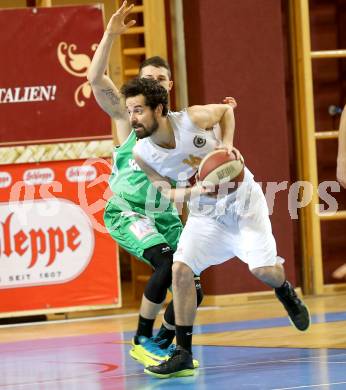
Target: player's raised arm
x: 341, y: 161
x: 208, y: 115
x: 106, y: 93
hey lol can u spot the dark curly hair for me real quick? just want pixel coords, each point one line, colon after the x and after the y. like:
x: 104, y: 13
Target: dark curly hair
x: 152, y: 91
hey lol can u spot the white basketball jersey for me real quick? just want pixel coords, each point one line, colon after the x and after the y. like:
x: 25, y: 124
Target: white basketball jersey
x: 192, y: 144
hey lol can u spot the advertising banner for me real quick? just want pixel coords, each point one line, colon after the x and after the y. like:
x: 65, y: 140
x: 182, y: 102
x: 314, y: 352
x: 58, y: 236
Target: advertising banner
x: 45, y: 54
x: 54, y: 249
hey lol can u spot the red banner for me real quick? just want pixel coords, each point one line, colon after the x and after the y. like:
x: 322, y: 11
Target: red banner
x: 45, y: 54
x: 54, y: 249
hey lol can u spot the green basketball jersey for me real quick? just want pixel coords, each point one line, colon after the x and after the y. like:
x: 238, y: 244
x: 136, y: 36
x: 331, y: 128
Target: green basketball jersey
x: 130, y: 184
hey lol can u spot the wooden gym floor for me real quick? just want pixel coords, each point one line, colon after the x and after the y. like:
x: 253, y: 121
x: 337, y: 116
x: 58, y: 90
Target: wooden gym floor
x: 248, y: 346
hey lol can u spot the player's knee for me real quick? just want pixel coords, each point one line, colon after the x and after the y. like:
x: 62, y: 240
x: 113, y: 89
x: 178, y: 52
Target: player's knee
x: 161, y: 258
x: 160, y: 281
x: 158, y: 255
x: 156, y: 288
x: 155, y: 295
x: 261, y: 272
x: 182, y: 275
x: 268, y: 270
x: 273, y: 276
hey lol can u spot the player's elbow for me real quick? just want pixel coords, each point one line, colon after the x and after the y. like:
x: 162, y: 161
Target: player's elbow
x: 93, y: 78
x: 229, y: 109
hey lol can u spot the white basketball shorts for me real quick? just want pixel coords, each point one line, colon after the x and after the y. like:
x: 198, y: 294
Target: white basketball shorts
x: 236, y: 225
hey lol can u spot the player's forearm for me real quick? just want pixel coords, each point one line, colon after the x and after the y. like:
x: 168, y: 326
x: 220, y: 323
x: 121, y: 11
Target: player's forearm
x: 105, y: 92
x: 180, y: 195
x: 100, y: 60
x: 227, y: 125
x: 175, y: 194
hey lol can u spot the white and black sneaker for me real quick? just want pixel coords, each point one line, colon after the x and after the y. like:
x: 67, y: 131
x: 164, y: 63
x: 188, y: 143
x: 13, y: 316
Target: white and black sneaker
x: 178, y: 365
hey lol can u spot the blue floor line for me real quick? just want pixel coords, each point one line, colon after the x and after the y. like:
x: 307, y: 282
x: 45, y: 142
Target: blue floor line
x: 258, y: 324
x: 265, y: 323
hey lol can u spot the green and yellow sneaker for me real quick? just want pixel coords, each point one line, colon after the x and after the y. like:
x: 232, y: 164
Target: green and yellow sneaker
x: 148, y: 352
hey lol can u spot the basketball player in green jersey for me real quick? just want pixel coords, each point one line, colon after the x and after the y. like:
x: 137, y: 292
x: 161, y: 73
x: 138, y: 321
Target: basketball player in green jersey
x: 142, y: 222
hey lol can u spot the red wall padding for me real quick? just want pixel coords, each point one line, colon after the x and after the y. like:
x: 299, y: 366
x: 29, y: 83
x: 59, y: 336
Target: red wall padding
x: 235, y: 48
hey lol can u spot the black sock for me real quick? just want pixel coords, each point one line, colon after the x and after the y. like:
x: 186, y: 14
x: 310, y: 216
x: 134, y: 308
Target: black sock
x: 184, y: 336
x: 145, y: 328
x: 166, y: 335
x: 283, y: 289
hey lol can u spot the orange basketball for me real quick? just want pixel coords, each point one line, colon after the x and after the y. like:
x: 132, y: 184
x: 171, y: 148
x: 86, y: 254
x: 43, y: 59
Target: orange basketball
x: 219, y: 168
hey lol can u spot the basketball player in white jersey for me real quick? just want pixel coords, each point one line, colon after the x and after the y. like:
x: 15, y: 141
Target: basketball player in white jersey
x: 169, y: 149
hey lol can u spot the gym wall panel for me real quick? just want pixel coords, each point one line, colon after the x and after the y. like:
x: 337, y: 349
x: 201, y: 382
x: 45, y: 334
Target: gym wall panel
x: 235, y: 48
x: 44, y: 93
x: 12, y: 3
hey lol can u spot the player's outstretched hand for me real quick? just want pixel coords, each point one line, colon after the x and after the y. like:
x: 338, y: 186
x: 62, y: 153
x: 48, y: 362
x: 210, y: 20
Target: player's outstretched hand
x: 116, y: 24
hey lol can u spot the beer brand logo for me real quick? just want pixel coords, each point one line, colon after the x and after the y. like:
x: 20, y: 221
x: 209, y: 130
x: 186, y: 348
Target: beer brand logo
x: 199, y: 142
x: 81, y: 173
x: 38, y: 176
x: 5, y: 179
x: 44, y: 250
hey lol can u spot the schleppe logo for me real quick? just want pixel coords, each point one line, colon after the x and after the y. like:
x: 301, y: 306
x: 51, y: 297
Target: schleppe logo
x: 5, y: 179
x: 55, y: 247
x: 81, y: 173
x: 38, y: 176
